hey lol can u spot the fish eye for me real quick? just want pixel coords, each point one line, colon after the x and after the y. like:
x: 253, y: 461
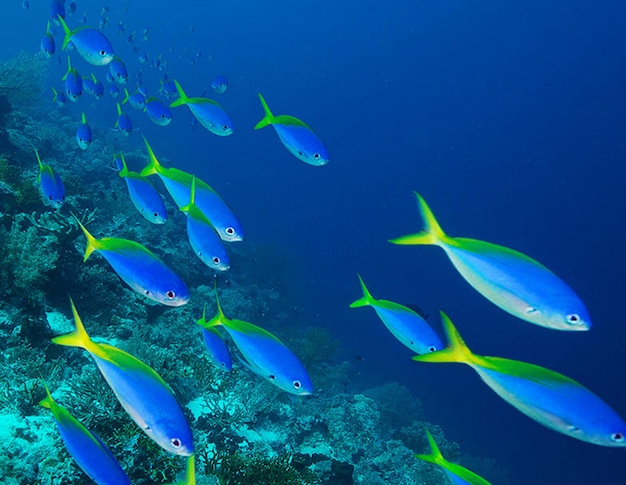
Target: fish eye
x: 170, y: 294
x: 176, y: 443
x: 226, y: 127
x: 155, y: 214
x: 432, y: 349
x: 146, y: 292
x: 103, y: 52
x: 216, y: 260
x: 230, y: 231
x: 163, y: 117
x: 573, y: 319
x: 272, y: 377
x: 316, y: 156
x: 617, y: 437
x: 297, y: 384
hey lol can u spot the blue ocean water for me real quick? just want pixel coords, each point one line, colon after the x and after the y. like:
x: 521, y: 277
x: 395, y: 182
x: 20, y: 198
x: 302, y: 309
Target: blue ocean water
x: 509, y: 119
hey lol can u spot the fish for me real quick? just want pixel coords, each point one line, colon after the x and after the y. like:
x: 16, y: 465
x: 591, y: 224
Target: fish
x: 168, y: 89
x: 91, y: 44
x: 141, y: 391
x: 142, y: 194
x: 50, y: 185
x: 58, y: 98
x: 404, y: 324
x: 47, y: 44
x: 136, y: 100
x: 457, y: 475
x: 73, y: 82
x: 114, y: 91
x: 552, y: 399
x: 178, y: 184
x: 139, y: 268
x: 93, y: 86
x: 218, y: 350
x: 90, y: 453
x: 264, y: 354
x: 118, y: 70
x: 57, y: 10
x: 204, y: 239
x: 123, y: 124
x: 219, y: 84
x: 158, y: 112
x: 207, y: 111
x: 516, y: 283
x: 296, y: 136
x: 25, y: 4
x: 83, y: 134
x: 71, y: 7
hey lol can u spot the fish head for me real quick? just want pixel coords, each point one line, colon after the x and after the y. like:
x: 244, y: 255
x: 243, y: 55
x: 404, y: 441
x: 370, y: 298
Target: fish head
x: 568, y: 315
x: 171, y: 432
x: 298, y: 384
x: 176, y: 294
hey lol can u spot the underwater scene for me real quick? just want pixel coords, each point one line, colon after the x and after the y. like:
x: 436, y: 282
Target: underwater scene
x: 238, y: 240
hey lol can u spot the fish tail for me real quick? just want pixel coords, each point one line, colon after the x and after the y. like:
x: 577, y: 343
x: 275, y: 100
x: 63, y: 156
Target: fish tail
x: 119, y: 110
x: 69, y: 68
x: 84, y: 119
x: 94, y: 79
x: 268, y: 119
x: 456, y: 351
x: 55, y: 95
x: 92, y: 242
x: 153, y: 164
x: 182, y: 97
x: 435, y: 455
x: 68, y: 32
x: 126, y: 97
x: 77, y: 338
x: 48, y: 28
x: 38, y: 159
x: 432, y: 233
x: 367, y: 298
x: 121, y: 166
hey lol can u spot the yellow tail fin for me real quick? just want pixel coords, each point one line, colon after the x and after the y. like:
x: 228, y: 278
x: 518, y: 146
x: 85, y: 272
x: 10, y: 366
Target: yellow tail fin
x: 432, y: 233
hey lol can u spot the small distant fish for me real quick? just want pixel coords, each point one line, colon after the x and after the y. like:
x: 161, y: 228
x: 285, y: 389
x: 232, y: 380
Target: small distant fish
x: 88, y: 84
x: 86, y: 447
x: 456, y: 474
x: 114, y: 91
x: 140, y: 390
x: 83, y: 19
x: 50, y: 185
x: 264, y: 354
x: 207, y: 111
x: 91, y: 44
x: 509, y: 279
x: 118, y: 70
x: 158, y: 112
x: 58, y: 98
x: 104, y: 20
x: 83, y: 134
x: 145, y: 34
x: 142, y: 58
x: 136, y: 100
x: 96, y: 86
x: 47, y: 44
x: 552, y: 399
x: 296, y: 136
x: 203, y: 238
x: 168, y: 89
x: 73, y: 82
x: 219, y: 84
x: 142, y: 194
x: 404, y: 324
x: 139, y: 268
x: 71, y: 8
x: 120, y: 28
x: 178, y: 184
x: 123, y: 124
x: 57, y: 10
x: 25, y: 4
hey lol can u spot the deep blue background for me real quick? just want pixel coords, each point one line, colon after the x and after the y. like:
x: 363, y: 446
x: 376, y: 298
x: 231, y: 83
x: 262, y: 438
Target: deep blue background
x: 509, y: 119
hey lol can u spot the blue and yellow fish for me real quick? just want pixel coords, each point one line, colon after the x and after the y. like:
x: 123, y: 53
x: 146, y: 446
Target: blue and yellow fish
x: 264, y: 354
x: 87, y: 449
x: 550, y: 398
x: 123, y: 124
x: 58, y: 98
x: 405, y: 324
x: 178, y: 184
x: 136, y: 100
x: 140, y: 390
x: 139, y: 268
x: 47, y: 44
x: 208, y: 112
x: 117, y: 68
x: 158, y: 112
x: 297, y: 136
x: 142, y: 193
x: 511, y: 280
x: 457, y: 475
x: 50, y: 184
x: 204, y: 239
x: 219, y: 84
x: 91, y: 44
x: 73, y: 82
x: 84, y: 136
